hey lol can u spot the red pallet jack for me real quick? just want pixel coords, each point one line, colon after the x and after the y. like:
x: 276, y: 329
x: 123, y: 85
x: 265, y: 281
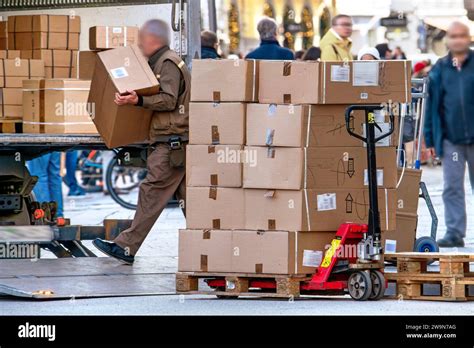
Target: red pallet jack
x: 354, y: 262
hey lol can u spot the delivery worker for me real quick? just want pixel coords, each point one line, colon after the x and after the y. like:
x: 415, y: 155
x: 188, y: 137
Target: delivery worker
x: 336, y: 45
x: 449, y: 128
x: 269, y: 48
x: 168, y: 136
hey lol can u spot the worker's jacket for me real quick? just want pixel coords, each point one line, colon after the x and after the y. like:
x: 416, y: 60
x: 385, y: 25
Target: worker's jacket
x: 335, y: 48
x: 171, y: 104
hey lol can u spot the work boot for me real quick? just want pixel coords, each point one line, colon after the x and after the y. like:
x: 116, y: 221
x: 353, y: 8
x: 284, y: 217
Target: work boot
x: 451, y: 240
x: 113, y: 250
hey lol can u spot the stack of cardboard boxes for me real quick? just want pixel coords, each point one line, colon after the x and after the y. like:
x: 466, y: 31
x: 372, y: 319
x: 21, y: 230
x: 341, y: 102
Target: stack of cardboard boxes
x: 269, y: 183
x: 3, y: 35
x: 104, y: 38
x: 51, y: 38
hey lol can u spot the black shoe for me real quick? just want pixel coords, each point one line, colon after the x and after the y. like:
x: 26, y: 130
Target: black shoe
x: 113, y: 250
x: 451, y: 241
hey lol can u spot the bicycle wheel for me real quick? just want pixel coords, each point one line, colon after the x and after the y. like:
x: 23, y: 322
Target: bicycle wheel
x: 123, y: 183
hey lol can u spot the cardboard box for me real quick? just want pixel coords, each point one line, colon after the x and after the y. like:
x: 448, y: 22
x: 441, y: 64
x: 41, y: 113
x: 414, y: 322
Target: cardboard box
x: 57, y: 106
x: 359, y: 82
x: 214, y: 165
x: 86, y: 64
x: 409, y: 190
x: 224, y: 80
x: 11, y: 103
x: 58, y: 63
x: 405, y: 234
x: 317, y: 167
x: 121, y: 125
x: 9, y: 54
x: 14, y: 71
x: 308, y: 126
x: 3, y: 35
x: 105, y: 37
x: 42, y: 40
x: 214, y: 207
x: 315, y: 210
x: 44, y: 23
x: 275, y: 252
x: 11, y: 111
x: 217, y: 123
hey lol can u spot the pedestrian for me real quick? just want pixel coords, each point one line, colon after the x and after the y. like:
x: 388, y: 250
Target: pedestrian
x: 313, y: 53
x: 336, y: 45
x: 449, y: 128
x: 209, y: 45
x: 384, y: 51
x: 49, y: 186
x: 299, y: 55
x: 368, y: 53
x: 399, y: 54
x: 169, y: 133
x: 269, y: 48
x: 70, y: 179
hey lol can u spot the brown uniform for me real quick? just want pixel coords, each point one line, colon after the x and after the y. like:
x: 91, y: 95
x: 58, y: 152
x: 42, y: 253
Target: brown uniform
x: 171, y: 118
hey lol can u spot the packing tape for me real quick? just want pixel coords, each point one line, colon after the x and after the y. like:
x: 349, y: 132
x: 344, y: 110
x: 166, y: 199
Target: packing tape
x: 254, y: 82
x: 124, y: 36
x: 306, y: 201
x: 213, y: 193
x: 386, y: 209
x: 216, y: 224
x: 203, y: 265
x: 271, y: 152
x: 215, y: 136
x: 286, y: 98
x: 214, y: 180
x: 324, y: 82
x: 286, y: 68
x: 269, y: 194
x: 2, y: 101
x: 106, y: 37
x: 269, y: 137
x: 206, y: 234
x: 308, y: 130
x: 305, y: 178
x: 216, y: 97
x: 258, y: 268
x: 271, y: 224
x: 211, y: 149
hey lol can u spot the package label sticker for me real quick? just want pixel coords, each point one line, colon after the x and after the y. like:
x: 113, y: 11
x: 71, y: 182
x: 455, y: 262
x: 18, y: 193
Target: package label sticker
x: 117, y: 30
x: 119, y: 73
x: 390, y: 246
x: 385, y: 127
x: 364, y: 96
x: 340, y: 73
x: 379, y: 177
x: 327, y: 202
x: 312, y: 258
x: 365, y: 74
x: 272, y: 108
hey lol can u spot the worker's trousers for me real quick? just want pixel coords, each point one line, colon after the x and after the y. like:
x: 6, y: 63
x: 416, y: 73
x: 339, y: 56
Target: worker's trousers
x: 454, y: 197
x: 159, y: 186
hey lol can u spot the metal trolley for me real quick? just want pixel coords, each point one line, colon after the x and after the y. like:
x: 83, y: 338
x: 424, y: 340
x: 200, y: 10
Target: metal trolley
x: 415, y: 114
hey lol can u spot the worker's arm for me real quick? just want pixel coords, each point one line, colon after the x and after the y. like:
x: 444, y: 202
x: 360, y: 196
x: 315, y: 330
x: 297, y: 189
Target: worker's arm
x: 167, y: 99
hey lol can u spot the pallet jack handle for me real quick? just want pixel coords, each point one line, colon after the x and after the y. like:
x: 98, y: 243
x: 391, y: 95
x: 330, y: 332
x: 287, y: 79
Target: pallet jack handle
x: 373, y: 242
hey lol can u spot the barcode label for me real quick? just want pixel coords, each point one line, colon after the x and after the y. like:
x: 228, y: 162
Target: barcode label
x: 117, y: 30
x: 390, y: 246
x: 379, y: 177
x: 312, y: 258
x: 119, y: 73
x: 326, y: 202
x: 340, y: 73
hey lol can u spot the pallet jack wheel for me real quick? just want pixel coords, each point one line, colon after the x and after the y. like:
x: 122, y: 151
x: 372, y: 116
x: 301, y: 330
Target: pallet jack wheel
x: 378, y: 285
x: 360, y: 285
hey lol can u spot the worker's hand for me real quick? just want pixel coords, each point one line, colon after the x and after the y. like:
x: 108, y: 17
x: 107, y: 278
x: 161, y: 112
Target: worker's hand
x: 432, y: 152
x: 131, y: 98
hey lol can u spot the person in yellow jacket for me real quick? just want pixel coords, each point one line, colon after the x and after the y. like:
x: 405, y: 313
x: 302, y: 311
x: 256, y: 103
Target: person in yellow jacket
x: 336, y: 45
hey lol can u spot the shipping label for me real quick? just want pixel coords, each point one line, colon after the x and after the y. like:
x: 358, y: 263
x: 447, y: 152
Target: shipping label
x: 365, y: 74
x: 119, y: 73
x: 326, y: 202
x: 312, y: 258
x: 340, y: 73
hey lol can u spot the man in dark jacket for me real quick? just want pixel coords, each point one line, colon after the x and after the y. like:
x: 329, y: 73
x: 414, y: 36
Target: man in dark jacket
x: 269, y: 48
x: 449, y: 129
x: 209, y: 44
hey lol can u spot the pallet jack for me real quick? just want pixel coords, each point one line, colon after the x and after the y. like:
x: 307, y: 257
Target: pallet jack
x: 354, y: 262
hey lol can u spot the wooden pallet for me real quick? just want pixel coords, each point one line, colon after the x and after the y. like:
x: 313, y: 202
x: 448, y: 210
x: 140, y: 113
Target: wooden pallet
x: 453, y: 277
x: 11, y: 126
x: 238, y: 284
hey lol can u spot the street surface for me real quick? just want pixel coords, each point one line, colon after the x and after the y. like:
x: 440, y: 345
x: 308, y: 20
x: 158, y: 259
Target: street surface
x: 163, y: 243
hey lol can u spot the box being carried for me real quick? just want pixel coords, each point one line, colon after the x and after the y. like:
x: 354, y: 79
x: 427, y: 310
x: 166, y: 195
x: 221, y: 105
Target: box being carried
x: 57, y: 106
x: 86, y: 64
x: 358, y: 82
x: 118, y: 71
x: 31, y: 32
x: 105, y: 37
